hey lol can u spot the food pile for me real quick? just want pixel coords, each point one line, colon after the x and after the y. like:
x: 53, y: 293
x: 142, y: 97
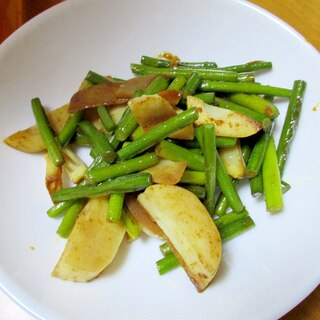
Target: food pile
x: 169, y: 148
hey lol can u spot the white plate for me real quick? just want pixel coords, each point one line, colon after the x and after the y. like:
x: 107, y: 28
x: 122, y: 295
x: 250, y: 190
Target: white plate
x: 265, y: 272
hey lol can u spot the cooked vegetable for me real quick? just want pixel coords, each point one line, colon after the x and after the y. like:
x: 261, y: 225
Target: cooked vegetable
x: 227, y: 122
x: 188, y: 229
x: 69, y: 128
x: 225, y: 183
x: 127, y: 183
x: 171, y: 151
x: 245, y: 87
x: 204, y: 73
x: 70, y: 218
x: 264, y: 120
x: 290, y: 123
x: 209, y: 152
x: 167, y: 171
x: 233, y: 161
x: 53, y: 175
x: 109, y: 93
x: 121, y: 168
x: 133, y: 228
x: 106, y: 119
x: 84, y: 258
x: 272, y: 179
x: 162, y: 144
x: 115, y: 207
x: 98, y: 141
x: 222, y: 202
x: 256, y: 103
x: 49, y: 140
x: 249, y: 66
x: 74, y: 166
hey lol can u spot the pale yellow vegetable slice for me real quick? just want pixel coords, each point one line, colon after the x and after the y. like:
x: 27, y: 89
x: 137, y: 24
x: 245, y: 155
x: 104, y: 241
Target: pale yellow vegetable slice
x: 149, y: 110
x: 116, y: 112
x: 73, y: 165
x: 227, y: 123
x: 92, y: 244
x: 233, y: 161
x: 188, y: 228
x: 29, y: 140
x: 167, y: 171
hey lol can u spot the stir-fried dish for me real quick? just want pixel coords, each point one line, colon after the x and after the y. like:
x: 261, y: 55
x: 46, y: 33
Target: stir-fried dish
x: 169, y: 147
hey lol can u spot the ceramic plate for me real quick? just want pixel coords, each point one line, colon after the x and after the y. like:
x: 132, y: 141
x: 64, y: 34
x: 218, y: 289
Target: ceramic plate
x: 265, y: 272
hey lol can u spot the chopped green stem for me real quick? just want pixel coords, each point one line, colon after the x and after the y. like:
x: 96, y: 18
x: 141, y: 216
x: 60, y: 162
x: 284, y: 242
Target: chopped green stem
x: 256, y: 185
x: 155, y: 62
x: 127, y: 183
x: 114, y: 142
x: 98, y: 140
x: 230, y: 218
x: 47, y: 135
x: 137, y: 133
x: 106, y: 119
x: 81, y: 140
x: 158, y: 133
x: 132, y: 227
x: 173, y: 72
x: 198, y: 132
x: 70, y: 218
x: 193, y: 177
x: 261, y: 118
x: 257, y: 155
x: 121, y: 168
x: 198, y: 65
x: 222, y: 202
x: 236, y: 228
x: 245, y: 87
x: 157, y: 85
x: 191, y: 86
x: 256, y: 103
x: 207, y: 97
x: 221, y: 142
x: 59, y: 208
x: 171, y: 151
x: 115, y: 207
x: 165, y: 249
x: 198, y: 190
x: 98, y: 162
x: 209, y: 151
x: 95, y: 78
x: 285, y: 187
x: 167, y: 263
x: 69, y: 128
x: 290, y: 123
x: 249, y: 66
x: 227, y: 188
x: 177, y: 83
x: 272, y: 179
x: 127, y: 124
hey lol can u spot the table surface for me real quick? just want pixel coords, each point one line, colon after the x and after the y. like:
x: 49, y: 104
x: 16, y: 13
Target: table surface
x: 301, y: 15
